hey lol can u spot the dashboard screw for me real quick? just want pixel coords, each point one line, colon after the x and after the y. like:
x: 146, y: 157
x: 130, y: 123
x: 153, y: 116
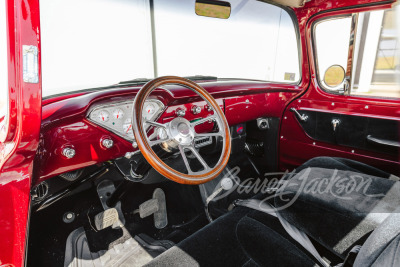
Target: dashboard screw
x: 69, y: 153
x: 180, y: 112
x: 134, y: 144
x: 196, y: 109
x: 107, y: 143
x: 69, y: 217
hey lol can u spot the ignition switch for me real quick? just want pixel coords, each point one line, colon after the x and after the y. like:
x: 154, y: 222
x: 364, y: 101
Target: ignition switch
x: 262, y: 124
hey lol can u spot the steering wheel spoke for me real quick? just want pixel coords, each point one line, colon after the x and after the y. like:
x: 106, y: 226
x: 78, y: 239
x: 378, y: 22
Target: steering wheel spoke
x: 156, y: 124
x: 198, y: 157
x: 185, y: 160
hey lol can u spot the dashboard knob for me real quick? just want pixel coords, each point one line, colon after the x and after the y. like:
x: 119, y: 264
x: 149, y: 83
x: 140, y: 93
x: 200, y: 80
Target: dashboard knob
x: 180, y: 112
x: 196, y: 109
x: 107, y: 143
x: 69, y: 153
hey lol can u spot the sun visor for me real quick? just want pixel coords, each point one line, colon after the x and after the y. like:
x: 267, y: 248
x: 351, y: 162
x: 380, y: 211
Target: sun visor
x: 289, y: 3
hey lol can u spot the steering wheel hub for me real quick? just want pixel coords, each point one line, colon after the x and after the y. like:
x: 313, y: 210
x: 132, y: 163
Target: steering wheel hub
x: 181, y: 131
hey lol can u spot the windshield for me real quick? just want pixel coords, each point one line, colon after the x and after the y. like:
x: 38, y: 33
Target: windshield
x: 95, y: 43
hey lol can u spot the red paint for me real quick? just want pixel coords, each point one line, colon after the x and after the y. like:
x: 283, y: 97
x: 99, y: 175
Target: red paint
x: 293, y: 137
x: 246, y: 108
x: 16, y: 165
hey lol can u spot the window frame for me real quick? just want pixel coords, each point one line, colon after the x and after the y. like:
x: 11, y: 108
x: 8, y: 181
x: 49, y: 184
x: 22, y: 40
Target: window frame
x: 349, y: 61
x: 315, y: 53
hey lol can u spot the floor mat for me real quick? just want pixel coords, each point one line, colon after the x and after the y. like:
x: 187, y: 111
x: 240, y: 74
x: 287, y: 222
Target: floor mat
x: 125, y: 253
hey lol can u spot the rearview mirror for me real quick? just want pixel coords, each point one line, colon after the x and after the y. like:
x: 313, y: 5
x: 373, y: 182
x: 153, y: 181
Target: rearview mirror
x: 334, y: 76
x: 212, y: 8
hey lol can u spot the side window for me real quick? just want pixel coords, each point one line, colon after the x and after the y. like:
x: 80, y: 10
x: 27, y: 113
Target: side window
x: 4, y: 72
x: 332, y: 50
x: 358, y: 54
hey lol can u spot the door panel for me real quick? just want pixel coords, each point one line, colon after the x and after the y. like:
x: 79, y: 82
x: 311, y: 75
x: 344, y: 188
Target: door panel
x: 316, y: 137
x: 372, y: 134
x: 18, y: 151
x: 364, y: 120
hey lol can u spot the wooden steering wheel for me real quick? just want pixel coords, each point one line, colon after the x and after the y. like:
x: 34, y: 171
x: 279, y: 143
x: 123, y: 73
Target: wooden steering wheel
x: 181, y: 133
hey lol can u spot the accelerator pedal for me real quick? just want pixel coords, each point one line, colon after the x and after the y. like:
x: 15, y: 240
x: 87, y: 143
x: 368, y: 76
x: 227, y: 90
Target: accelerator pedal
x: 156, y: 206
x: 106, y: 219
x: 160, y: 216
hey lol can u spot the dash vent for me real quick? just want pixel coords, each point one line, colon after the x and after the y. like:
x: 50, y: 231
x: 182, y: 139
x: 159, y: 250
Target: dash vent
x: 40, y: 191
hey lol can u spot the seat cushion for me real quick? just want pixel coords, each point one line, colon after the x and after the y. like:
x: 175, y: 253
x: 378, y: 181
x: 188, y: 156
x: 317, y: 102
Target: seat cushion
x: 337, y: 208
x: 214, y: 245
x: 265, y: 241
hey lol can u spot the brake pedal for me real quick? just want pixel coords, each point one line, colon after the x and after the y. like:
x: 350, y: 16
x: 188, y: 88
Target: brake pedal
x: 148, y: 208
x: 156, y: 206
x: 106, y: 219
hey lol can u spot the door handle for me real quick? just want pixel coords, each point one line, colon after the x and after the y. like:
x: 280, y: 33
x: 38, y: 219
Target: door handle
x: 301, y: 117
x: 383, y: 142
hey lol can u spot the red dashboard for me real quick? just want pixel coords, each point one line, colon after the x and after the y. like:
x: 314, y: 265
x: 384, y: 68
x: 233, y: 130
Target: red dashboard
x: 65, y: 122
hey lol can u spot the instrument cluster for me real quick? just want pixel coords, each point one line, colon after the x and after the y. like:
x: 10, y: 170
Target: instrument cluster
x: 117, y: 117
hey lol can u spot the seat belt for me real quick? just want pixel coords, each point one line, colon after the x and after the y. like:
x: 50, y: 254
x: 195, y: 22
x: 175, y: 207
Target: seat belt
x: 292, y: 230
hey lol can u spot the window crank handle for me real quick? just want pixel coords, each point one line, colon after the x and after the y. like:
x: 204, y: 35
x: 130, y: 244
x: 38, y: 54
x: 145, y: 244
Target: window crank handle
x: 302, y: 118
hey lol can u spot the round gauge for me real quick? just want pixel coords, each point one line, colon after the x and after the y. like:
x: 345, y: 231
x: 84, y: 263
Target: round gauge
x: 104, y: 116
x: 127, y: 127
x: 149, y: 109
x: 118, y: 113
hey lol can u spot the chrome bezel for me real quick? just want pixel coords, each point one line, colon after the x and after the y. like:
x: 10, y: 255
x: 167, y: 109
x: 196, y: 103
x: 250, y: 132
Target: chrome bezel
x: 128, y: 114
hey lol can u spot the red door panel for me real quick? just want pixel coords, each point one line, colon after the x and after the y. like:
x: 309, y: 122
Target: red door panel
x: 19, y: 149
x: 294, y: 139
x: 296, y: 146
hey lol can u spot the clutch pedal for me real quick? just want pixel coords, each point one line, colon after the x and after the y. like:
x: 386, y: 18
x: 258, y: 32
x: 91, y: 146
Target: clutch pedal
x: 106, y: 219
x: 104, y: 191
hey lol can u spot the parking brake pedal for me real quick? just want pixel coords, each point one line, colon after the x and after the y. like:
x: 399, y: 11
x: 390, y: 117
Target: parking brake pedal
x: 106, y: 219
x: 156, y: 206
